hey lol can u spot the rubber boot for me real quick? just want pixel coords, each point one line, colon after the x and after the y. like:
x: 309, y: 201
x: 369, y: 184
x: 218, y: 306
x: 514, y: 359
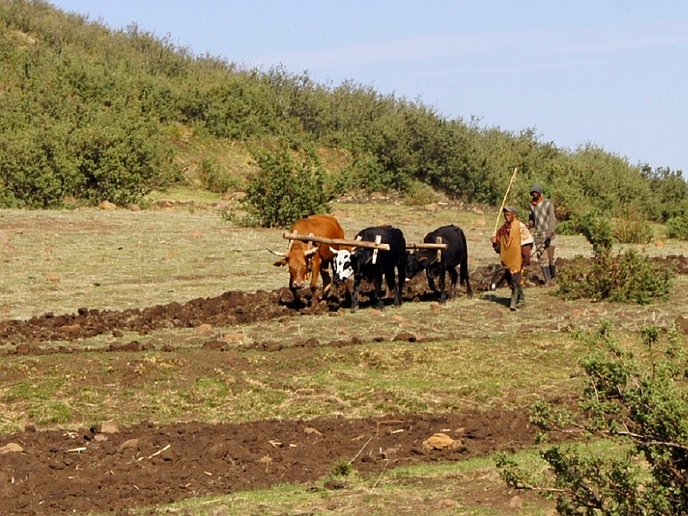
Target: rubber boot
x: 514, y: 299
x: 546, y: 275
x: 553, y: 271
x: 520, y: 298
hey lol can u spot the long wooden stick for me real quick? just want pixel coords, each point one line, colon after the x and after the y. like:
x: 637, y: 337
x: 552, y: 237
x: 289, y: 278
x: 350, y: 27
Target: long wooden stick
x: 506, y: 194
x: 425, y: 245
x: 336, y: 241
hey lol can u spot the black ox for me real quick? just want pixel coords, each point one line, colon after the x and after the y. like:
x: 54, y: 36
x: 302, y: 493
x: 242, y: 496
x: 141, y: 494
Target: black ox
x: 455, y: 255
x: 371, y: 265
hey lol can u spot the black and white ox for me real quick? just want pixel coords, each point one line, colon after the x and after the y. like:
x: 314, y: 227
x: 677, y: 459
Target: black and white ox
x: 436, y: 265
x: 372, y: 265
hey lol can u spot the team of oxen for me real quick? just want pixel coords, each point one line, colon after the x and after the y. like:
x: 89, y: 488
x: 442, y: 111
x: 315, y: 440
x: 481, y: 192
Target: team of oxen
x: 318, y: 243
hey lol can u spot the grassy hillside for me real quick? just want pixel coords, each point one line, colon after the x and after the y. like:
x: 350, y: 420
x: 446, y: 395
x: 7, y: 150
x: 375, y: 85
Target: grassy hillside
x: 90, y: 114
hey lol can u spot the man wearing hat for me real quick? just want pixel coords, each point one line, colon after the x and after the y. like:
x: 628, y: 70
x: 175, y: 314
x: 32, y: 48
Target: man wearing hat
x: 507, y: 242
x: 543, y: 222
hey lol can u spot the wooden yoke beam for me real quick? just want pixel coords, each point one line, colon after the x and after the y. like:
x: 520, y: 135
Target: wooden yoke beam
x: 336, y: 241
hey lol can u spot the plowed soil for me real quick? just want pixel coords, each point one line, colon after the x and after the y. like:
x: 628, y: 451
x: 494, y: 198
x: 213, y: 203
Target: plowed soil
x: 115, y: 468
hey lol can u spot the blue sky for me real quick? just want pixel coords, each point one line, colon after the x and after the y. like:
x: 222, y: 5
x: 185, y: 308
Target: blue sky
x: 610, y: 72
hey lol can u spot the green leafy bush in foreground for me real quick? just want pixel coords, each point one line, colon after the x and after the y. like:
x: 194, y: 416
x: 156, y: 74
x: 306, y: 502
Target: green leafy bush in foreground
x: 642, y: 406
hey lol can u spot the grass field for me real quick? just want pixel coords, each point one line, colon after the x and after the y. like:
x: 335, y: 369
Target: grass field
x: 467, y: 354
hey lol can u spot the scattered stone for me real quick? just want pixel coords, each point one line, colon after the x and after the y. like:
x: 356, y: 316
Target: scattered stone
x: 167, y: 454
x: 404, y: 336
x: 215, y: 345
x: 11, y: 448
x: 440, y: 441
x: 233, y: 337
x: 130, y: 444
x: 108, y: 427
x: 204, y: 329
x: 134, y: 345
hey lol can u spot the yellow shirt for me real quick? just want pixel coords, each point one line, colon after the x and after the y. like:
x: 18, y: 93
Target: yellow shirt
x: 509, y: 238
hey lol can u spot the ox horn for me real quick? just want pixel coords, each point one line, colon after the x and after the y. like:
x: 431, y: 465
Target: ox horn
x: 311, y: 252
x: 277, y: 253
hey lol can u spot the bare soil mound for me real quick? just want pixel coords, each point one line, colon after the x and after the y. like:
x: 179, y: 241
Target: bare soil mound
x: 101, y: 469
x: 233, y: 307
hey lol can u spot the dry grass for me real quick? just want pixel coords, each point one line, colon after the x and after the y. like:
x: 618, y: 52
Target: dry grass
x: 57, y: 261
x: 468, y: 353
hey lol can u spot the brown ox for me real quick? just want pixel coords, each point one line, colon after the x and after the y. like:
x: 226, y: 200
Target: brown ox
x: 304, y: 260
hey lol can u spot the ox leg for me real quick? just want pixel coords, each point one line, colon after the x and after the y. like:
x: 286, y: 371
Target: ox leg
x: 431, y: 281
x: 442, y: 273
x: 354, y: 294
x: 454, y: 276
x: 314, y: 291
x: 399, y: 286
x: 316, y: 264
x: 295, y: 294
x: 469, y: 290
x: 378, y: 288
x: 327, y: 282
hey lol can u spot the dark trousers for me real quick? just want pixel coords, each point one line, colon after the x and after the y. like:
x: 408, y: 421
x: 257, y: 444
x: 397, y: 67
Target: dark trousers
x: 513, y: 279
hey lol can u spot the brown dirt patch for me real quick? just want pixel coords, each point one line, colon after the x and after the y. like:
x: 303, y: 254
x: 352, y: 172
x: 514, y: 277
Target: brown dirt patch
x: 61, y: 471
x: 231, y: 308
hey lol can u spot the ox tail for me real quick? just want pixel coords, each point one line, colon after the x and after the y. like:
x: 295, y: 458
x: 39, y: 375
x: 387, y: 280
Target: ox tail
x: 463, y: 273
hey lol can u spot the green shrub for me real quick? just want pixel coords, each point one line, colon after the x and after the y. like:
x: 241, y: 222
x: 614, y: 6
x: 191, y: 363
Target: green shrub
x: 568, y: 227
x: 677, y: 227
x: 420, y: 195
x: 215, y: 178
x: 285, y: 190
x: 85, y: 110
x: 631, y: 228
x: 626, y: 277
x: 642, y: 408
x: 598, y: 230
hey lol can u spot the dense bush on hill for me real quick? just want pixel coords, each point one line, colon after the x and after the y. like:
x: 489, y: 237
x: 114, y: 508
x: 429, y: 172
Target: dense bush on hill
x: 87, y: 113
